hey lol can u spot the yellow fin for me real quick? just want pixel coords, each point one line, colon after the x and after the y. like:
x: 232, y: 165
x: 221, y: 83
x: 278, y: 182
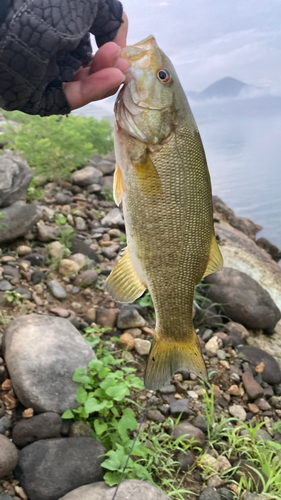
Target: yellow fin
x: 118, y: 188
x: 215, y: 261
x: 147, y: 176
x: 167, y: 357
x: 123, y: 284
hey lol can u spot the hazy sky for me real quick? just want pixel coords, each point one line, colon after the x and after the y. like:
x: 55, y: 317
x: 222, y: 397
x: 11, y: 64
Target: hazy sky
x: 210, y: 39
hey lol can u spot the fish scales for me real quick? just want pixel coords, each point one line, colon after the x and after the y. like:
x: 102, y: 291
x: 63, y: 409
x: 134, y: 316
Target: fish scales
x: 163, y: 182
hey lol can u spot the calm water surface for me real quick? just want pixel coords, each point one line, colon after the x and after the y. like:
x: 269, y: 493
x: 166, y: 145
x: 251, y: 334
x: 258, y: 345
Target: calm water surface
x: 244, y: 158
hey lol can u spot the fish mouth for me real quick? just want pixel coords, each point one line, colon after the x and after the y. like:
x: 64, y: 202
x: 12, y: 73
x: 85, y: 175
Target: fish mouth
x: 139, y: 50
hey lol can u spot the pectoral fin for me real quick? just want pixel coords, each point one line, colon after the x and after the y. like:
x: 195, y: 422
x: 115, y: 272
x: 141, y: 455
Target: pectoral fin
x: 123, y: 284
x: 215, y: 261
x: 147, y: 175
x: 118, y: 187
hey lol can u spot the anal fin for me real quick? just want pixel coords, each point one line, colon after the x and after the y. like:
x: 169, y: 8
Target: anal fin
x: 123, y: 284
x: 215, y: 261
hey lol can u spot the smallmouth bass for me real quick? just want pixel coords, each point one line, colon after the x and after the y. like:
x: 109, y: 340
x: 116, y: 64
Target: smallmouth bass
x: 162, y: 179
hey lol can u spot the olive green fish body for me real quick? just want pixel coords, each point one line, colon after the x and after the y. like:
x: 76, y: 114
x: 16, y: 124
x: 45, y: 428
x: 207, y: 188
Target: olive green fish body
x: 167, y: 204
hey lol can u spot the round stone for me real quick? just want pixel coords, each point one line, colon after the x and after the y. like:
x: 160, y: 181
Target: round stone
x: 8, y: 456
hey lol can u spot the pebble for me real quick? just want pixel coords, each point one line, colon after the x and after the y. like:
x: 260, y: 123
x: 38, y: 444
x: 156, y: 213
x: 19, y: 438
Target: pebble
x: 23, y: 250
x: 5, y: 424
x: 188, y: 431
x: 56, y: 250
x: 57, y: 290
x: 114, y: 218
x: 238, y: 412
x: 156, y: 416
x: 80, y: 429
x: 87, y: 278
x: 60, y: 312
x: 226, y: 494
x: 142, y: 346
x: 68, y: 267
x: 253, y: 389
x: 262, y: 404
x: 212, y: 347
x: 221, y: 354
x: 128, y: 340
x: 209, y: 494
x: 5, y: 286
x: 215, y: 481
x: 106, y: 317
x: 47, y: 233
x: 200, y: 422
x: 275, y: 402
x: 254, y: 496
x: 80, y: 224
x: 129, y: 317
x: 86, y: 176
x: 234, y: 390
x: 35, y: 259
x: 253, y: 408
x: 37, y: 277
x: 8, y: 456
x: 207, y: 335
x: 180, y: 407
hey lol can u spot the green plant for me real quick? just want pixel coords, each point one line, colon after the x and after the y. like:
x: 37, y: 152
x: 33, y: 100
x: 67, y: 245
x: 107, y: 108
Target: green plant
x: 122, y: 239
x: 56, y: 146
x: 66, y: 235
x: 33, y: 192
x: 14, y: 297
x: 145, y: 301
x: 2, y: 226
x: 107, y: 193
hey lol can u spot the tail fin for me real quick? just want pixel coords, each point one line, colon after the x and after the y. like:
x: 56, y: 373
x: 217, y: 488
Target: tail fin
x: 167, y: 357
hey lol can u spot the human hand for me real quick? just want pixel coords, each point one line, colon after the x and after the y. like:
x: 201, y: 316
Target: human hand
x: 103, y: 76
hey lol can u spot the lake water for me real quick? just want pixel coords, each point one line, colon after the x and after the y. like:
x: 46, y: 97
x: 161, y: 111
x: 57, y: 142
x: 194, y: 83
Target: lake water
x: 243, y: 151
x: 242, y: 140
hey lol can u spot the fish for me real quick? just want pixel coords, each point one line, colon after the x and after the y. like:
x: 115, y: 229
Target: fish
x: 162, y: 179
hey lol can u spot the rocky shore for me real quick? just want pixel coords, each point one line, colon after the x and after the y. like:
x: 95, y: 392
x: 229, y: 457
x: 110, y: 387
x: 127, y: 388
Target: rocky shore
x: 56, y: 252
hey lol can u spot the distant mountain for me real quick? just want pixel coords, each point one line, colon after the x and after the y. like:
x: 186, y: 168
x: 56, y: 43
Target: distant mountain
x: 222, y: 89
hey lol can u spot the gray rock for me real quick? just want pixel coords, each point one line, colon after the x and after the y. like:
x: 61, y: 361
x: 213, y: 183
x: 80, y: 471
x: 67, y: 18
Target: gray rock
x: 6, y: 496
x: 187, y: 431
x: 96, y: 159
x: 35, y: 259
x: 107, y: 183
x: 185, y: 459
x: 8, y: 456
x: 5, y: 424
x: 43, y: 426
x: 79, y: 246
x: 129, y: 317
x: 142, y: 347
x: 114, y: 218
x: 243, y: 299
x: 42, y: 353
x: 51, y: 468
x: 238, y: 329
x: 226, y: 494
x: 19, y: 218
x: 255, y: 356
x: 15, y: 177
x: 86, y: 176
x: 130, y: 489
x: 80, y: 224
x: 63, y: 199
x: 23, y: 292
x: 57, y: 290
x: 237, y: 411
x: 106, y: 167
x: 80, y: 429
x: 244, y: 225
x: 5, y: 286
x: 47, y: 233
x: 156, y: 416
x: 9, y: 270
x: 178, y: 407
x: 87, y: 278
x: 110, y: 157
x: 209, y: 494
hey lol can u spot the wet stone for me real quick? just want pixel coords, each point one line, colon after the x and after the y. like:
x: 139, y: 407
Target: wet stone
x: 253, y: 389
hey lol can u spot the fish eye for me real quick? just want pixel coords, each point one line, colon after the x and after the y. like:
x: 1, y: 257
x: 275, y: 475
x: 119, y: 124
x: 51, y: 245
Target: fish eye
x: 164, y: 75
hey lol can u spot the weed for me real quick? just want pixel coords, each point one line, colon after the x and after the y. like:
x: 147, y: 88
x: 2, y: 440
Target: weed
x: 66, y: 235
x: 2, y: 226
x: 14, y: 297
x: 145, y: 301
x: 107, y: 193
x: 123, y: 239
x: 33, y: 192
